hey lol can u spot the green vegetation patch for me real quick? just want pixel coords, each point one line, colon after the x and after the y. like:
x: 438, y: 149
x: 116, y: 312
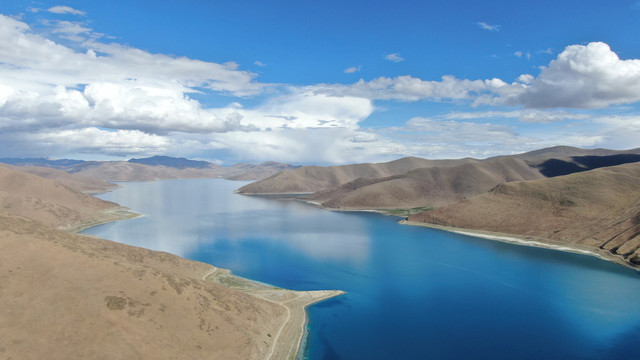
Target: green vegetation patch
x: 406, y: 212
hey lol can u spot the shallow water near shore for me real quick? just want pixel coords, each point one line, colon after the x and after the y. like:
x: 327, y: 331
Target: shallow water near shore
x: 412, y: 292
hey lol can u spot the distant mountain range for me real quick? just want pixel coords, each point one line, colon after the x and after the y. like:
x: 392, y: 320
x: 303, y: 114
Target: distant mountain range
x: 579, y: 199
x: 153, y: 168
x: 413, y: 182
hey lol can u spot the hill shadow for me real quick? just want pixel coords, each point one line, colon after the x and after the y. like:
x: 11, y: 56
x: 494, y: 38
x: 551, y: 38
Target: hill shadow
x: 557, y: 167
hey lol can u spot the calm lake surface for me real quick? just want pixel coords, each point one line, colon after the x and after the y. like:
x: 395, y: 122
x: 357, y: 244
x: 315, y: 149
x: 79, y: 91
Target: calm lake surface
x: 412, y: 293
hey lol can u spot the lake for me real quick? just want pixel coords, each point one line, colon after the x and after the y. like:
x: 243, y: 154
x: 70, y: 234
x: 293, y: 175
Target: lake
x: 412, y: 292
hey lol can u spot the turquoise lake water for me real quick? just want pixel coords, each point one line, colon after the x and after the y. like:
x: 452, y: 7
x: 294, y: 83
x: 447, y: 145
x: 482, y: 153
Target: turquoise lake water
x: 412, y: 292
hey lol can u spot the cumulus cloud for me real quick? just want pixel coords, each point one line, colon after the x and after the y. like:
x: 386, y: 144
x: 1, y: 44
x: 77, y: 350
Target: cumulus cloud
x: 109, y: 85
x: 318, y: 145
x: 395, y: 57
x: 87, y: 140
x: 584, y: 76
x: 118, y: 100
x: 409, y: 88
x: 485, y: 26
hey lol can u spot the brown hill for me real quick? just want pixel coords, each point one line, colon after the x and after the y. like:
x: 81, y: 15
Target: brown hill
x: 255, y: 172
x: 74, y: 181
x: 419, y: 183
x: 564, y: 160
x: 67, y: 296
x: 309, y: 179
x: 131, y: 171
x: 51, y: 202
x: 127, y: 171
x: 426, y: 187
x: 597, y: 210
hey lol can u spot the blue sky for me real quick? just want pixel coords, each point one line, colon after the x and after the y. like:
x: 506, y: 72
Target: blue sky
x: 316, y: 82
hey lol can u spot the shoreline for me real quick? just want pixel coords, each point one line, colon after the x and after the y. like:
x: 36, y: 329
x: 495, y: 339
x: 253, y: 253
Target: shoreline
x: 525, y: 240
x: 113, y: 214
x: 514, y: 239
x: 287, y: 343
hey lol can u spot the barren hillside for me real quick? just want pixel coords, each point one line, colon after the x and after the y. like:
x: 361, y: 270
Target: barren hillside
x: 414, y: 182
x: 75, y: 181
x: 127, y: 171
x: 597, y: 209
x: 51, y: 202
x: 426, y: 187
x: 67, y: 296
x: 309, y: 179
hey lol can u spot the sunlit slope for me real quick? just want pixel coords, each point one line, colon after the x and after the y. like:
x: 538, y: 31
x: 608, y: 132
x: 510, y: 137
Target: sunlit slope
x: 128, y: 171
x: 67, y: 296
x: 431, y: 187
x: 309, y: 179
x: 54, y: 203
x: 74, y: 181
x: 598, y: 208
x: 415, y: 182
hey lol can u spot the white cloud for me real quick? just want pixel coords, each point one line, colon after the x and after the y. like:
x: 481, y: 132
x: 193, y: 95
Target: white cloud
x: 520, y: 54
x: 65, y: 10
x: 260, y: 63
x: 87, y: 140
x: 352, y: 69
x: 590, y: 76
x: 461, y: 131
x: 528, y: 115
x: 68, y: 27
x: 408, y: 88
x: 395, y: 57
x: 485, y: 26
x: 118, y: 100
x: 321, y: 145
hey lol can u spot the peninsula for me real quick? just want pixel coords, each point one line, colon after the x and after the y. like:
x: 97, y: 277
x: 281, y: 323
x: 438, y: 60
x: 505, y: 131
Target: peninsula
x: 67, y: 295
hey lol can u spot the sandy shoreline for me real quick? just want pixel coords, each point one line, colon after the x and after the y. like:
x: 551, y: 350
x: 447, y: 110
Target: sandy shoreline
x: 287, y: 342
x: 515, y: 239
x: 108, y: 215
x: 527, y: 241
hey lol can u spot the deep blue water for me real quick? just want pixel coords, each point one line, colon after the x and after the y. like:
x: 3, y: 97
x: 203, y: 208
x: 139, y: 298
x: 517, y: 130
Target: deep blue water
x: 412, y: 293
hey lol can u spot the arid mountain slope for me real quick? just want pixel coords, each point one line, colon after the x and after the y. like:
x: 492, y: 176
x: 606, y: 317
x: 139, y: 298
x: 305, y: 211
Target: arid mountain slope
x: 74, y: 181
x: 309, y: 179
x: 597, y: 209
x: 67, y: 296
x: 564, y: 160
x: 127, y: 171
x: 51, y: 202
x: 155, y: 168
x: 566, y: 152
x: 414, y: 182
x: 255, y: 172
x: 431, y: 187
